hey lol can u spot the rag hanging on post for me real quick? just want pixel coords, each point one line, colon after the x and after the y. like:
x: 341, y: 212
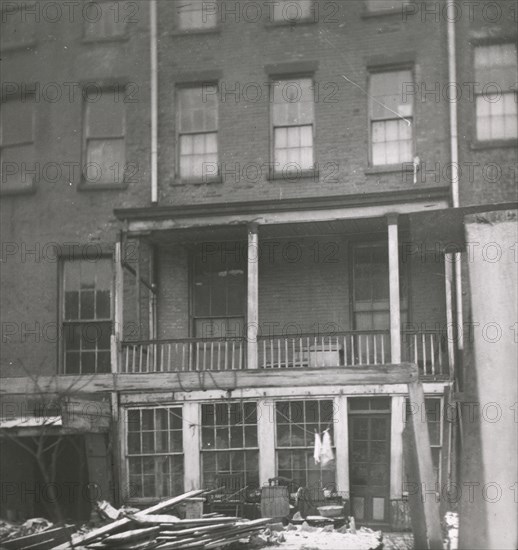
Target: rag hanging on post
x: 326, y: 453
x: 318, y: 448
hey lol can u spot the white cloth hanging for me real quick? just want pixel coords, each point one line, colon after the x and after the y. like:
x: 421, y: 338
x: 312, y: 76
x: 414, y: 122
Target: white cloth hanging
x: 326, y: 453
x: 318, y: 448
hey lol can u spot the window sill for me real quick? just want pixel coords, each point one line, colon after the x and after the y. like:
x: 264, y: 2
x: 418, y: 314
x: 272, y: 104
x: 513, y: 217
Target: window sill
x: 106, y: 39
x: 198, y: 181
x: 294, y: 176
x: 288, y: 23
x: 196, y: 32
x: 84, y: 186
x: 389, y: 168
x: 496, y: 144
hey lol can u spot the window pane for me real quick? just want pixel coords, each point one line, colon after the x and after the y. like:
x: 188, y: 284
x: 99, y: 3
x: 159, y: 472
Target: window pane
x: 106, y: 159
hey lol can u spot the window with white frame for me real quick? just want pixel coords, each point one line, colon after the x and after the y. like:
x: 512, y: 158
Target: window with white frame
x: 296, y: 425
x: 87, y: 315
x: 197, y: 123
x: 293, y: 120
x: 17, y: 148
x: 229, y: 442
x: 391, y: 122
x: 197, y: 14
x: 104, y: 20
x: 154, y: 452
x: 104, y: 138
x: 395, y: 6
x: 18, y: 25
x: 433, y: 406
x: 496, y: 76
x: 291, y: 11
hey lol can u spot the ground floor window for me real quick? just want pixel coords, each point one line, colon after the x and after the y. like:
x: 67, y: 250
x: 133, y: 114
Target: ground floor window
x: 229, y: 442
x: 296, y: 425
x: 154, y: 452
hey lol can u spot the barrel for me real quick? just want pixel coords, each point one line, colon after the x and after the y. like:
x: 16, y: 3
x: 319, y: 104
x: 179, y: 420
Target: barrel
x: 275, y: 502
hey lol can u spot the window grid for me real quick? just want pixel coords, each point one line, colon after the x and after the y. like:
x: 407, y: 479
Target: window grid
x: 197, y: 132
x: 105, y: 128
x: 196, y: 14
x: 229, y: 441
x: 87, y: 316
x: 296, y: 423
x: 496, y: 74
x: 154, y: 454
x: 391, y: 135
x: 293, y: 125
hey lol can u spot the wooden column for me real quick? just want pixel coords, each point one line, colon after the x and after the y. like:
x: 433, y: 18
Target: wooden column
x: 397, y: 425
x: 448, y: 281
x: 252, y: 317
x: 191, y: 420
x: 341, y: 434
x: 395, y: 314
x: 266, y: 439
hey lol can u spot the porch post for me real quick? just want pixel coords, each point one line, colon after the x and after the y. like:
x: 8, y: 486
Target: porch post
x: 395, y: 315
x: 266, y: 439
x: 252, y: 317
x: 341, y: 429
x: 191, y: 420
x: 118, y: 297
x: 396, y: 446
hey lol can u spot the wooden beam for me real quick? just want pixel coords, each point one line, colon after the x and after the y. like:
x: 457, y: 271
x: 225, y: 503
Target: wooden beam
x: 395, y: 313
x: 191, y: 421
x: 341, y: 435
x: 403, y: 373
x: 266, y: 440
x: 397, y: 425
x: 252, y: 312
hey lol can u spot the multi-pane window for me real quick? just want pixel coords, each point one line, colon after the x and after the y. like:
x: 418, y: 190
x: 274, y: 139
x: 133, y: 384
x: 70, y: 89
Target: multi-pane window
x: 17, y: 145
x: 197, y: 132
x: 229, y: 442
x: 296, y: 425
x: 87, y: 315
x: 104, y: 19
x: 496, y: 76
x: 291, y: 11
x: 371, y: 291
x: 386, y: 5
x: 154, y: 452
x: 391, y: 121
x: 18, y: 25
x: 105, y: 128
x: 196, y: 14
x: 292, y: 115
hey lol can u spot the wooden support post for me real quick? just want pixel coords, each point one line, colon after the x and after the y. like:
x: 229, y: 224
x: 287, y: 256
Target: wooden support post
x: 395, y: 314
x: 252, y: 319
x: 341, y: 433
x: 396, y: 446
x: 421, y: 484
x: 266, y: 439
x: 448, y: 281
x: 191, y: 415
x: 137, y: 285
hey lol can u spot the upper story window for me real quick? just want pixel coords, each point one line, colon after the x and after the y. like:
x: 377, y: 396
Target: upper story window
x: 104, y: 20
x: 197, y: 123
x: 496, y: 75
x: 293, y: 125
x: 196, y: 14
x: 17, y: 148
x: 291, y: 11
x: 391, y: 119
x: 394, y: 6
x: 18, y: 25
x: 104, y: 142
x: 86, y: 315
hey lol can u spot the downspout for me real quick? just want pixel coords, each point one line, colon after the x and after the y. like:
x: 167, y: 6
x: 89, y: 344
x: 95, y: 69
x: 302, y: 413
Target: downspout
x: 454, y: 155
x: 154, y: 101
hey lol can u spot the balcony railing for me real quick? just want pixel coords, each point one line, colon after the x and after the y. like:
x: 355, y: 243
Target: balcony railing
x: 186, y: 355
x: 428, y: 349
x: 339, y: 349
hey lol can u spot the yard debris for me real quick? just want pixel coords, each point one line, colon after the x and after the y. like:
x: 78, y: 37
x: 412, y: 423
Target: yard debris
x: 35, y: 533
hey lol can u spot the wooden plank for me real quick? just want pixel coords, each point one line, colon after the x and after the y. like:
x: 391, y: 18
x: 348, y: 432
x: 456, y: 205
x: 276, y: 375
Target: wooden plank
x: 53, y: 536
x: 92, y: 535
x: 424, y: 506
x: 403, y: 373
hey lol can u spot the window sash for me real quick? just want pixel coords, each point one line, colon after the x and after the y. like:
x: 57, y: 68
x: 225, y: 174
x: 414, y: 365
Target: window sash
x: 111, y: 22
x: 387, y: 95
x: 496, y: 64
x: 198, y: 155
x: 497, y: 120
x: 193, y: 14
x: 293, y: 148
x: 82, y: 352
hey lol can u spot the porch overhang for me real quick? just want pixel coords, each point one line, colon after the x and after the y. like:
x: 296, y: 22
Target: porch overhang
x: 403, y: 373
x: 283, y: 211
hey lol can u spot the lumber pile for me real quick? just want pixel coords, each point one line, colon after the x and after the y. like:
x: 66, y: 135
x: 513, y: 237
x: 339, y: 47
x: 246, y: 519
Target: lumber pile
x: 154, y: 528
